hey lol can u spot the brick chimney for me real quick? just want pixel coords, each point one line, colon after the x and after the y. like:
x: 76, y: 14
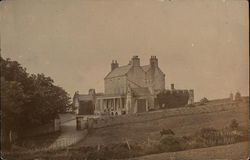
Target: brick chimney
x: 114, y: 65
x: 92, y: 91
x: 135, y: 61
x: 153, y: 61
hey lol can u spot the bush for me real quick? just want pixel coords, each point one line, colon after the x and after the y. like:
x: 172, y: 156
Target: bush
x: 170, y: 144
x: 190, y: 105
x: 238, y: 96
x: 166, y: 132
x: 203, y: 101
x: 234, y: 124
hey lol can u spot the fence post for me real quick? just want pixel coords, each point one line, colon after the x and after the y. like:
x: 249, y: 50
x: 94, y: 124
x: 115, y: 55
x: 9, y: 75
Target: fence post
x: 128, y: 144
x: 98, y: 147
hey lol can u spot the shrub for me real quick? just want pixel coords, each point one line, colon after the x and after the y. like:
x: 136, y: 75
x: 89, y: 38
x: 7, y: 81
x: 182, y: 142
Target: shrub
x: 204, y: 100
x: 170, y: 144
x: 234, y: 124
x: 166, y: 132
x: 238, y: 96
x: 190, y: 105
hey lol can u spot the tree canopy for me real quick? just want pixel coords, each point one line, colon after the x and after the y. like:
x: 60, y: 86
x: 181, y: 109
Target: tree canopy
x: 28, y: 100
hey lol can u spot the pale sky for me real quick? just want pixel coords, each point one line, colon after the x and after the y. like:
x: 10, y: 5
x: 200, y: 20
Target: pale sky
x: 200, y: 44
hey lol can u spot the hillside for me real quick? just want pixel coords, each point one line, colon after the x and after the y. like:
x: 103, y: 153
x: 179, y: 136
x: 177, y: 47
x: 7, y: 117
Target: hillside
x: 139, y: 136
x: 233, y: 152
x: 183, y: 121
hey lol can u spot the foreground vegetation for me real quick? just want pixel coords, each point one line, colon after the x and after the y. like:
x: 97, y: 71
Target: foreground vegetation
x: 169, y: 142
x: 27, y: 100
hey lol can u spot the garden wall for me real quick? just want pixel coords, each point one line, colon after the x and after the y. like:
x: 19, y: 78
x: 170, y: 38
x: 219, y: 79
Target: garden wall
x: 155, y: 115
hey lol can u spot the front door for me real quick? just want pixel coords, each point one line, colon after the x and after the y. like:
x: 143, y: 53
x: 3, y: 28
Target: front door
x: 141, y: 105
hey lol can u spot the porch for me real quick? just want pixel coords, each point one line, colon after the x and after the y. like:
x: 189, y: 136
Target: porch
x: 111, y: 105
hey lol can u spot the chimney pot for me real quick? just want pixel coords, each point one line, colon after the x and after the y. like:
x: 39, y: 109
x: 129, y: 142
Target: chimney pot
x: 114, y: 65
x: 153, y: 61
x: 135, y: 61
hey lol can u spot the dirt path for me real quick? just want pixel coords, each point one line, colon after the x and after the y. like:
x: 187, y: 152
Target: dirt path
x: 69, y: 135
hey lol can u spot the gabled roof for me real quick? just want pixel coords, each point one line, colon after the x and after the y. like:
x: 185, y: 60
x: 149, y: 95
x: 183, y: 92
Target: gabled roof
x: 143, y: 91
x: 119, y: 71
x: 146, y: 67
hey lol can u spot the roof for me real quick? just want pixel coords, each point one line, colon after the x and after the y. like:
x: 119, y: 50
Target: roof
x: 140, y: 91
x: 84, y: 97
x: 145, y: 68
x: 119, y: 71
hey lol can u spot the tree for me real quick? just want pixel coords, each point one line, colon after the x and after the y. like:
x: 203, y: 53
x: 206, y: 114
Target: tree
x: 12, y: 100
x: 28, y: 100
x: 238, y: 96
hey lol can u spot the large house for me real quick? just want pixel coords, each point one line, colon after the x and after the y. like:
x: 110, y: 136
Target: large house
x: 128, y: 89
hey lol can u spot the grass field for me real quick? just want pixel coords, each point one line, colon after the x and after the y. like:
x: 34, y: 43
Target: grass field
x: 238, y: 151
x: 215, y: 116
x: 143, y: 131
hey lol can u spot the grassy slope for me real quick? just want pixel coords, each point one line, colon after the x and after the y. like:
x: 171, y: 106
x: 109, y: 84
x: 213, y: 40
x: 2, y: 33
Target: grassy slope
x: 180, y: 124
x: 227, y: 152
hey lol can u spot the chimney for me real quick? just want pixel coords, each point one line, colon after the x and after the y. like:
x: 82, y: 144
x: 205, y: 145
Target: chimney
x: 77, y: 93
x: 172, y: 86
x: 92, y: 91
x: 135, y: 61
x: 153, y: 61
x: 114, y: 65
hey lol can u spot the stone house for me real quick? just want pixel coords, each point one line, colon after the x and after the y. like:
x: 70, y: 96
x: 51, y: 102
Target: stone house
x: 130, y: 88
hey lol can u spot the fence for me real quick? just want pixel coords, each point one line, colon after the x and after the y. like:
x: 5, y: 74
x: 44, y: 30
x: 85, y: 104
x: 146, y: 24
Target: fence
x: 68, y: 140
x: 63, y: 142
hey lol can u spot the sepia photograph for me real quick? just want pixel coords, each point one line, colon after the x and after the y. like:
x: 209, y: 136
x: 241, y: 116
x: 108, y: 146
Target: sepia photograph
x: 124, y: 79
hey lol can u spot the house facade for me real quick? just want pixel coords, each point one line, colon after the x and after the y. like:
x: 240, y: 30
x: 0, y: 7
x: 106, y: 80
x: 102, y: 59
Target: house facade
x: 128, y: 89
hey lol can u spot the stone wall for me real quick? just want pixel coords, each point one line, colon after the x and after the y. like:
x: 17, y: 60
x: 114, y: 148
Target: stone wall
x: 109, y: 121
x: 116, y: 85
x: 136, y: 77
x: 155, y: 78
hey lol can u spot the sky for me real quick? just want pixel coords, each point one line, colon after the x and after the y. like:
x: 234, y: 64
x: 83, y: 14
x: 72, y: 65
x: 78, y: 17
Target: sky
x: 200, y: 44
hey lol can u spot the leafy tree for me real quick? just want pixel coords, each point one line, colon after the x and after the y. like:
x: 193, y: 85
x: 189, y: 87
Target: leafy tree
x: 238, y: 96
x: 28, y: 100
